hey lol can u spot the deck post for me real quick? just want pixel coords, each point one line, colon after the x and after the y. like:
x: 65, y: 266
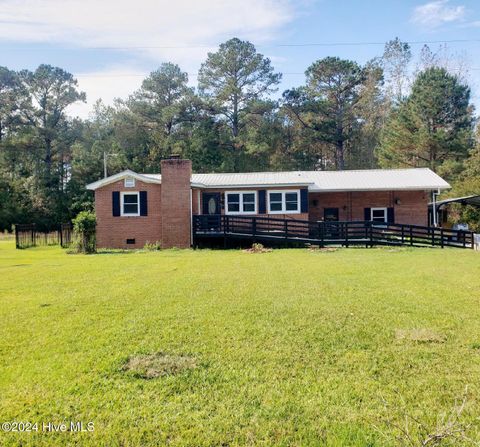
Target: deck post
x: 368, y: 235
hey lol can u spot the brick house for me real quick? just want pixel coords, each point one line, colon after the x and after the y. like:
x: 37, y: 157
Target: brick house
x: 133, y: 209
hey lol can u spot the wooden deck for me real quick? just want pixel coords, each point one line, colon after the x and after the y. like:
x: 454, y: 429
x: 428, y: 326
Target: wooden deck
x: 368, y: 233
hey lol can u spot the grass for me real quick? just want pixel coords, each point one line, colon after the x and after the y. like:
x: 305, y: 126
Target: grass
x: 293, y: 347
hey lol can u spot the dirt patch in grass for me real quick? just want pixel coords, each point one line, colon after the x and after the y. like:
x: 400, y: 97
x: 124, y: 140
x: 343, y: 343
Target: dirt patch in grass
x: 257, y: 248
x: 421, y: 335
x: 323, y: 249
x: 150, y: 366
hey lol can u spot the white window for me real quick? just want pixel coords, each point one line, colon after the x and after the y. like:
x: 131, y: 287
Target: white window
x: 378, y: 214
x: 284, y: 202
x: 241, y: 202
x: 130, y: 204
x: 129, y: 182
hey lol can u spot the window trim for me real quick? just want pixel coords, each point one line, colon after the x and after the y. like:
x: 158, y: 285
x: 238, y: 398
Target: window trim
x: 129, y: 179
x: 122, y: 194
x: 385, y: 214
x: 236, y: 213
x: 284, y: 192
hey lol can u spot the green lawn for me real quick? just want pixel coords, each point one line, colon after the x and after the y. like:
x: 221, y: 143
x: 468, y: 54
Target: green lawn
x: 292, y: 347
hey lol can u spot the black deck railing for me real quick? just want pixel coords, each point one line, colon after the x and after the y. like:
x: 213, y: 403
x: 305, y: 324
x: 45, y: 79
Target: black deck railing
x: 369, y: 233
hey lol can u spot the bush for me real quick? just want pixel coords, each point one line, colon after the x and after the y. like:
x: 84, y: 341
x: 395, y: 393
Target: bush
x: 84, y: 240
x: 152, y: 246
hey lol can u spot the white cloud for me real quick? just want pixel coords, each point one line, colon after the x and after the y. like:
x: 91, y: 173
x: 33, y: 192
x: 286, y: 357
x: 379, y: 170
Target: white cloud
x: 149, y: 24
x: 436, y: 13
x: 107, y: 84
x: 146, y: 31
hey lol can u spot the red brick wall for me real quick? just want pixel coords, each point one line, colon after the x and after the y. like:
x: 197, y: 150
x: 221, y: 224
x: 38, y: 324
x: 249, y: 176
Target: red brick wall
x: 176, y: 203
x: 112, y: 232
x: 318, y: 201
x: 411, y: 209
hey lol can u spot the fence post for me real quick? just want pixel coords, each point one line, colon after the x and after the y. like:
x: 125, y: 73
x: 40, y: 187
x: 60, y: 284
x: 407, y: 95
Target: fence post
x: 433, y: 237
x: 411, y: 235
x: 346, y: 234
x: 441, y: 237
x: 286, y: 228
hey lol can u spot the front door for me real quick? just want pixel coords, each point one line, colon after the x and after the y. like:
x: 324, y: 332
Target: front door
x: 330, y: 217
x: 330, y: 214
x: 211, y: 209
x: 211, y: 203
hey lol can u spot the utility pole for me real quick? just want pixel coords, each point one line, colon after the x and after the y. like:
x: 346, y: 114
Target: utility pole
x: 105, y: 175
x: 105, y: 160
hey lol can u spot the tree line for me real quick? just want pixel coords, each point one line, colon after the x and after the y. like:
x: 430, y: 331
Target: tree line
x: 345, y: 116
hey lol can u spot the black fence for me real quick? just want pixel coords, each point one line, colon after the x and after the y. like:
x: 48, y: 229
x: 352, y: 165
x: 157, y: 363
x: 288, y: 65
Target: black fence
x: 368, y: 233
x: 27, y: 235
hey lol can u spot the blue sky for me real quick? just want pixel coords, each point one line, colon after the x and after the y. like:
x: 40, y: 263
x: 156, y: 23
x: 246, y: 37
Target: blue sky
x: 110, y: 45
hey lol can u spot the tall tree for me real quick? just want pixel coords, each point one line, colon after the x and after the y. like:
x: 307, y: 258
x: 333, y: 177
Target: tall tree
x: 329, y: 103
x: 395, y: 62
x: 233, y: 80
x: 50, y: 91
x: 159, y: 108
x: 9, y: 100
x: 432, y: 126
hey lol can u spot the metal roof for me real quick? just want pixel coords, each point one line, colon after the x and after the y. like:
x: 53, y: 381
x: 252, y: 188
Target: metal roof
x: 359, y: 180
x: 466, y: 200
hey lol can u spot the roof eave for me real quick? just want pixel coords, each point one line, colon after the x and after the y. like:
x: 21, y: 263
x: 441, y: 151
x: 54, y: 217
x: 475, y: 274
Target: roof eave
x: 409, y: 188
x: 256, y: 185
x: 120, y: 176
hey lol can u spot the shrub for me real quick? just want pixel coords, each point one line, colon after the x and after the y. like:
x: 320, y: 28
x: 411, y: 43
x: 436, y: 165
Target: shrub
x: 258, y: 248
x: 84, y: 240
x: 152, y: 246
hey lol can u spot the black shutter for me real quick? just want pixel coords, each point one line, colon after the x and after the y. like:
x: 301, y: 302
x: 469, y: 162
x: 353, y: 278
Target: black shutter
x: 262, y: 201
x: 390, y: 215
x: 367, y: 214
x: 304, y: 200
x: 143, y: 203
x: 115, y: 203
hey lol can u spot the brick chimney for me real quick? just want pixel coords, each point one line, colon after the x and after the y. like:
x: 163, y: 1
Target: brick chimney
x: 176, y: 203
